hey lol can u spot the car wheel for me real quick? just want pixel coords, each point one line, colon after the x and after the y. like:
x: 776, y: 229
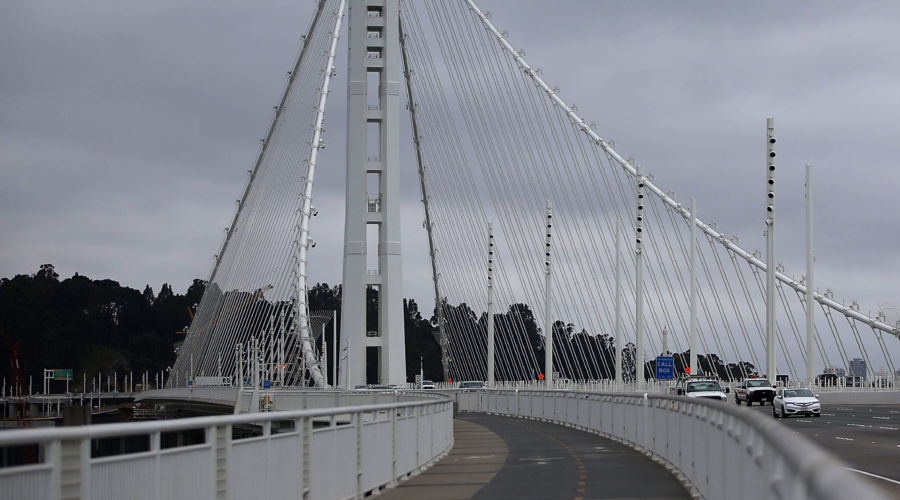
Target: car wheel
x: 749, y: 402
x: 817, y: 415
x: 774, y: 412
x: 736, y: 400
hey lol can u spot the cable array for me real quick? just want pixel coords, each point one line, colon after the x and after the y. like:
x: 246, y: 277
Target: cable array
x: 497, y: 143
x: 255, y: 302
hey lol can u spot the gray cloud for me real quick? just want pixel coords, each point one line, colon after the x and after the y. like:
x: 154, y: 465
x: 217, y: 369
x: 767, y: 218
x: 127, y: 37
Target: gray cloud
x: 126, y: 129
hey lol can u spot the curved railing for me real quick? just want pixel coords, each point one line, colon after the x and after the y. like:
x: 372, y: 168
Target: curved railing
x: 334, y: 453
x: 721, y: 450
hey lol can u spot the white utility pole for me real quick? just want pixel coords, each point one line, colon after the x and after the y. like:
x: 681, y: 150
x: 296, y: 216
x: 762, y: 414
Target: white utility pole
x: 771, y: 371
x: 639, y: 283
x: 548, y: 321
x: 239, y: 366
x: 324, y: 355
x: 810, y: 299
x: 620, y: 338
x: 665, y: 342
x: 490, y: 306
x: 693, y: 315
x: 334, y: 350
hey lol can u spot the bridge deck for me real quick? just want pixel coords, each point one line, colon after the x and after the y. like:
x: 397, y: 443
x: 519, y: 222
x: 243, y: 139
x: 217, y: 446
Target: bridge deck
x: 499, y: 458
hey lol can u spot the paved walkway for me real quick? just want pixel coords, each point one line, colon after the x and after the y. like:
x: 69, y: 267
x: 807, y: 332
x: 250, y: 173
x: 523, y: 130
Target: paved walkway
x: 477, y: 456
x: 504, y: 458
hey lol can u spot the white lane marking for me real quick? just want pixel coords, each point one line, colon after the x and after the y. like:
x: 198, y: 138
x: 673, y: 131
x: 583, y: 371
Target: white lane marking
x: 540, y: 460
x: 477, y: 457
x: 856, y: 425
x: 807, y: 421
x: 888, y: 428
x: 883, y: 418
x: 874, y: 475
x: 843, y: 438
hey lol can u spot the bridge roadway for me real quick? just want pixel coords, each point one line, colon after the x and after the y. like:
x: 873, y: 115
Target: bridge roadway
x: 867, y: 438
x: 500, y: 458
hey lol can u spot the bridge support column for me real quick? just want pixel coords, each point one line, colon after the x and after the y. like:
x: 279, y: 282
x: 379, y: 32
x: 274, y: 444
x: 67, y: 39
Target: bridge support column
x: 372, y: 222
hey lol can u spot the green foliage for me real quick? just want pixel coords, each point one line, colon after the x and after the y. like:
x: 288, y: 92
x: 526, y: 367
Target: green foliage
x: 93, y: 326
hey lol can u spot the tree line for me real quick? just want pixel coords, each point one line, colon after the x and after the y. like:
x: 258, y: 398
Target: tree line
x: 101, y: 327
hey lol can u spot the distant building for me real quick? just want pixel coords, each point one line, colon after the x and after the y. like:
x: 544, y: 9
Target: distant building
x: 840, y: 372
x: 858, y: 368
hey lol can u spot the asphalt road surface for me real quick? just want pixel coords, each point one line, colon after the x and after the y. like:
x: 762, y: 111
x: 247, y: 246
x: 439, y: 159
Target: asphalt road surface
x: 867, y: 438
x: 498, y: 458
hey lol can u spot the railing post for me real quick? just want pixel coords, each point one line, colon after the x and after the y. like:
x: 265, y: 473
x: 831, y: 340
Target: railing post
x: 53, y: 456
x: 157, y: 474
x: 359, y: 454
x: 221, y: 448
x: 305, y: 469
x: 74, y: 466
x: 393, y: 447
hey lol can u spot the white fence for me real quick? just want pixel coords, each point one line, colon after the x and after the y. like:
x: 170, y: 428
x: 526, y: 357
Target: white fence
x: 722, y: 450
x: 334, y: 453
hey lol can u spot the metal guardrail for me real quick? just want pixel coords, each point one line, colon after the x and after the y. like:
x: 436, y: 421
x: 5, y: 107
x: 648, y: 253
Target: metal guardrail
x: 332, y: 453
x: 722, y: 450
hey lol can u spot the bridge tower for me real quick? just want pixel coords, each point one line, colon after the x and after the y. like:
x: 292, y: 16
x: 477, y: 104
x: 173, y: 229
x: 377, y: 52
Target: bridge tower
x: 372, y: 247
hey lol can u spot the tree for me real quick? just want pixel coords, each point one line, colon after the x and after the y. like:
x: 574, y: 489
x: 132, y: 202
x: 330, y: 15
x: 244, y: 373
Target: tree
x: 149, y: 297
x: 47, y: 272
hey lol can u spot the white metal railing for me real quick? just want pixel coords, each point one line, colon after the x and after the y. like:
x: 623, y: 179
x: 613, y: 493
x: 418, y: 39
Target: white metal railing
x: 332, y: 453
x: 723, y: 451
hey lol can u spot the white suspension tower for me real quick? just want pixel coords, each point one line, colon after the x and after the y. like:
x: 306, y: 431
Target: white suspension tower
x: 770, y: 249
x: 374, y: 57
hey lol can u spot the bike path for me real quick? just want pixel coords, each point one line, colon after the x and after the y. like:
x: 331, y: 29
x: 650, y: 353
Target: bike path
x: 501, y: 458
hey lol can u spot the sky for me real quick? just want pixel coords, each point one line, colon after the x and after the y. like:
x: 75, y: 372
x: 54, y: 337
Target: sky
x: 127, y: 128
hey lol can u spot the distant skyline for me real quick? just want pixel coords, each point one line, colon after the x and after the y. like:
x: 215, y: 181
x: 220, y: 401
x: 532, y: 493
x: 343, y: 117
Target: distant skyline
x: 126, y: 130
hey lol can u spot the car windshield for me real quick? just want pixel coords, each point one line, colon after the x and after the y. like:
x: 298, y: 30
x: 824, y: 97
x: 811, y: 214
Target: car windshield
x: 427, y: 382
x: 798, y: 393
x: 706, y: 385
x: 758, y: 383
x: 471, y: 385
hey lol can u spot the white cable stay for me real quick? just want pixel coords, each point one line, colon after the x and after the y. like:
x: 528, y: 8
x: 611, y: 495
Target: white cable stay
x: 579, y: 122
x: 308, y: 350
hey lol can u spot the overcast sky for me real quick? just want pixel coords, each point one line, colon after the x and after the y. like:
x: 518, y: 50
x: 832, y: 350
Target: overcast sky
x: 127, y: 128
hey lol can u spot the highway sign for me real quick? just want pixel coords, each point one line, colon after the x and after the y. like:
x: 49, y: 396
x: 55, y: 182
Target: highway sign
x: 665, y: 368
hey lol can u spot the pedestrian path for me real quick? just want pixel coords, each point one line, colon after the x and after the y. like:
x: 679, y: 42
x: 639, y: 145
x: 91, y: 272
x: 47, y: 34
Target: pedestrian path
x: 498, y: 458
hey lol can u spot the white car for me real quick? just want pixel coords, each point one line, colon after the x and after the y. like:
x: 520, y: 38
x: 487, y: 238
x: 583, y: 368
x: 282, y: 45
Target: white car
x: 800, y: 401
x: 427, y: 384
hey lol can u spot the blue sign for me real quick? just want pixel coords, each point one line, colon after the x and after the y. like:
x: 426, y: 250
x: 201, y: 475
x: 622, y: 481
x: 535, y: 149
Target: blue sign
x: 267, y: 384
x: 665, y: 367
